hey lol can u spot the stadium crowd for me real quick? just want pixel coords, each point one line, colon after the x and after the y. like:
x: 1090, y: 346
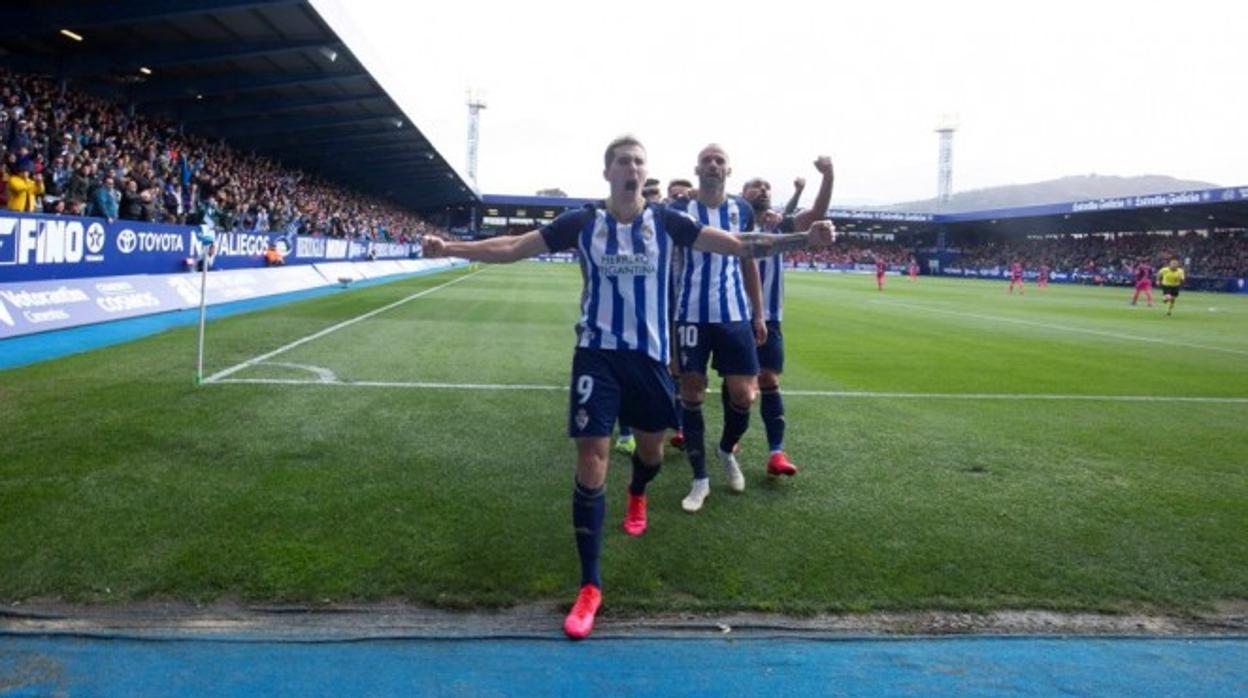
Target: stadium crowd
x: 1220, y: 255
x: 852, y: 251
x: 71, y: 153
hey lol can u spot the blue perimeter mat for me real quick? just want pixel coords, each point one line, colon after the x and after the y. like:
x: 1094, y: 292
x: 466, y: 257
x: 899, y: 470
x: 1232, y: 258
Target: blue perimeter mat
x: 29, y: 349
x: 82, y: 666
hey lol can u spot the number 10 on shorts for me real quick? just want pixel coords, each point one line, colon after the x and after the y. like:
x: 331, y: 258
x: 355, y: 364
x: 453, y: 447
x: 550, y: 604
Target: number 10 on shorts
x: 688, y: 335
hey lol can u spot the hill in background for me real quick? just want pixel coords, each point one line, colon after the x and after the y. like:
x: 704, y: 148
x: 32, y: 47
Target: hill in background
x: 1074, y: 188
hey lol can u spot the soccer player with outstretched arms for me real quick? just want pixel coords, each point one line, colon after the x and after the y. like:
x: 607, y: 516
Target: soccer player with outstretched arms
x: 619, y: 368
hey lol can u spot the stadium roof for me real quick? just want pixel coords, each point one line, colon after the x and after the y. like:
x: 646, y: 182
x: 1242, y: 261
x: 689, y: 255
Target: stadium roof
x: 535, y: 201
x: 268, y: 76
x: 1188, y: 210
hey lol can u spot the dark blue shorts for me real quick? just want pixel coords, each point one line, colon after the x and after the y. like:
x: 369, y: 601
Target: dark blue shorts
x: 625, y: 385
x: 771, y: 354
x: 732, y: 343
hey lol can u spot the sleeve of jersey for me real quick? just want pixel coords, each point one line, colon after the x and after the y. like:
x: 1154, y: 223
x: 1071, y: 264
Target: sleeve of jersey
x: 680, y: 227
x: 560, y: 234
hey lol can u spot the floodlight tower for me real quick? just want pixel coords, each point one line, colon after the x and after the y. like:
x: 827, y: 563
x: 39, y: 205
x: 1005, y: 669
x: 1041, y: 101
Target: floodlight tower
x: 945, y: 126
x: 476, y: 102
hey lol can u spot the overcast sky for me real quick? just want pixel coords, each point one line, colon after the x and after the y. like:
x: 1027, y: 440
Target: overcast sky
x: 1041, y: 90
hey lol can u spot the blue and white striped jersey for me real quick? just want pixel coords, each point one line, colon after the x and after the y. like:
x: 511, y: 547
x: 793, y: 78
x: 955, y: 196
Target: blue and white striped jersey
x: 771, y: 273
x: 711, y: 289
x: 626, y: 268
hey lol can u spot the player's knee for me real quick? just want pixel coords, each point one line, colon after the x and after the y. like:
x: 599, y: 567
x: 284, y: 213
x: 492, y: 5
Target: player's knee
x: 691, y: 392
x: 591, y: 462
x: 742, y: 395
x: 591, y: 473
x: 768, y: 381
x: 650, y: 446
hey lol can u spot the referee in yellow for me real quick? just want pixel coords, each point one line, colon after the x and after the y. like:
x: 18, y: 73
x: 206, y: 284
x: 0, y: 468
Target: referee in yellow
x: 1171, y: 278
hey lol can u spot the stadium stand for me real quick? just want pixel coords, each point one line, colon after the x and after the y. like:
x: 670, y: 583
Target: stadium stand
x: 142, y: 141
x: 851, y: 251
x: 1218, y: 255
x: 89, y: 157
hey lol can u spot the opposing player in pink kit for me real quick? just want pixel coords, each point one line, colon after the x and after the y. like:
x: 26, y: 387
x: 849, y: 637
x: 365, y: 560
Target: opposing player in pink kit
x: 1016, y: 277
x: 1143, y: 283
x: 880, y: 269
x: 1042, y: 280
x: 913, y: 270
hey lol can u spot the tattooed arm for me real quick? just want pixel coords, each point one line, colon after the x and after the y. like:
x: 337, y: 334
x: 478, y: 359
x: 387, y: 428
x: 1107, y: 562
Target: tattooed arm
x: 757, y: 245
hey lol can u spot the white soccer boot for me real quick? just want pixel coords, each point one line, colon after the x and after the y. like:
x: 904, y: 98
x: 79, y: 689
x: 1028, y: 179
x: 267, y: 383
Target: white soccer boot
x: 736, y: 481
x: 697, y: 495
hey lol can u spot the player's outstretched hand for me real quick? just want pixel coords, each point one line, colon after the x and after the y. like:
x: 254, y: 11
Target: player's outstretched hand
x: 822, y: 234
x: 432, y: 246
x: 823, y: 163
x: 771, y: 219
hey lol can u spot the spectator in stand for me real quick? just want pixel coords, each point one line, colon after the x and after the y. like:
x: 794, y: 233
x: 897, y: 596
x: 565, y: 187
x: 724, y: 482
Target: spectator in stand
x: 103, y: 202
x: 24, y: 190
x: 171, y: 201
x: 60, y: 172
x: 147, y: 207
x: 79, y: 187
x: 131, y: 208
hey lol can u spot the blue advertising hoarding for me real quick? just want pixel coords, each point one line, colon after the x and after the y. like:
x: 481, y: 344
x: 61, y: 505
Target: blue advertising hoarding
x: 28, y: 307
x: 38, y: 247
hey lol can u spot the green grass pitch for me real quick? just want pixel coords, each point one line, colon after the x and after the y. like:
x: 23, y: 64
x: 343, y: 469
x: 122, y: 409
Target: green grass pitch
x: 347, y: 468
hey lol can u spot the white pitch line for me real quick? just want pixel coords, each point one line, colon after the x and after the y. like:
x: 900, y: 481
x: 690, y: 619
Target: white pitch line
x: 1063, y: 328
x: 787, y: 392
x: 323, y: 374
x: 299, y: 342
x: 393, y: 384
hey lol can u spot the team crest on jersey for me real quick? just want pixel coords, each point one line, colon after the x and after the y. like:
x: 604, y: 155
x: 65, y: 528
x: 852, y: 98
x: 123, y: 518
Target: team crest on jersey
x: 582, y: 419
x: 647, y: 232
x: 734, y: 219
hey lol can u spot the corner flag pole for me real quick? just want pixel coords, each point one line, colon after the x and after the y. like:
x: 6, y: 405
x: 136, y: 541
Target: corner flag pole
x: 206, y: 239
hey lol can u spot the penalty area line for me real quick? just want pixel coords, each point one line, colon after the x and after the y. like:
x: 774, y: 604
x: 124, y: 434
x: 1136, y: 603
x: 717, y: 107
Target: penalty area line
x: 219, y: 375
